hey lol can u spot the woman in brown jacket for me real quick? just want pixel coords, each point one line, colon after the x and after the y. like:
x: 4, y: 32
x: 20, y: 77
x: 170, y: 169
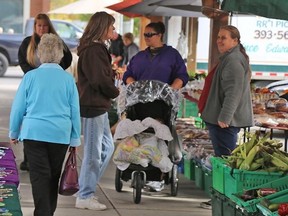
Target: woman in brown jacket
x: 96, y: 89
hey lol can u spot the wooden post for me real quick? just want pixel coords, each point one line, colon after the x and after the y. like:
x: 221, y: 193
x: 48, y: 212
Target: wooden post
x: 217, y: 18
x: 192, y: 44
x: 213, y: 50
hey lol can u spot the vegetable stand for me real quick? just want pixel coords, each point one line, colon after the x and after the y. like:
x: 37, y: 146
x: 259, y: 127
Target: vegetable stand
x: 285, y: 130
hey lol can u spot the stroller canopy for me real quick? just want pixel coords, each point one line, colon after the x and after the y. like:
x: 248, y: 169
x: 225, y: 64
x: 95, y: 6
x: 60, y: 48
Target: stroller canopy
x: 145, y: 91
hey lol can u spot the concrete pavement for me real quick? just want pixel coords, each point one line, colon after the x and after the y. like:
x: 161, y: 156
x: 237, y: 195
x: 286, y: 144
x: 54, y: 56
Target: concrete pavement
x: 119, y: 204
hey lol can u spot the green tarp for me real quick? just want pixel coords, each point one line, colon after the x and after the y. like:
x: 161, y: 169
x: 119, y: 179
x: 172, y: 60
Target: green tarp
x: 277, y: 9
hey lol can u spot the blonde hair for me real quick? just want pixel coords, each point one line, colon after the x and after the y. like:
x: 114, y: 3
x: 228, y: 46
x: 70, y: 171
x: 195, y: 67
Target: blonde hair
x: 32, y: 47
x: 50, y: 48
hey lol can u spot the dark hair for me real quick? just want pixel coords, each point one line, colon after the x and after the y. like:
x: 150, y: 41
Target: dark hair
x: 158, y: 27
x: 129, y: 36
x: 234, y: 33
x: 96, y: 29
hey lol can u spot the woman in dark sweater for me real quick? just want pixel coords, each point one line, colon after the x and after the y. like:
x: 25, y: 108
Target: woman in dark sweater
x: 96, y: 89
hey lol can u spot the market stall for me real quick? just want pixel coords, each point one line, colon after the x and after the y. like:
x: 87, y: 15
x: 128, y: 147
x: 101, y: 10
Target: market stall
x: 229, y: 183
x: 9, y: 182
x: 270, y: 112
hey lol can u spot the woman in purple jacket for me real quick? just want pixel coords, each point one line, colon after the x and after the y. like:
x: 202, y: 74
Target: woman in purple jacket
x: 158, y: 61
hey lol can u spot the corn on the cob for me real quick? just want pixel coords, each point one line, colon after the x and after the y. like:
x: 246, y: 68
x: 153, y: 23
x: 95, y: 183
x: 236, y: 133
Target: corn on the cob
x: 254, y: 166
x: 279, y: 154
x: 279, y: 163
x: 248, y: 160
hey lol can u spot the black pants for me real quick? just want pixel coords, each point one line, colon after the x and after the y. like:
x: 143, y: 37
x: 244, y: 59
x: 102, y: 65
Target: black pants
x: 45, y: 160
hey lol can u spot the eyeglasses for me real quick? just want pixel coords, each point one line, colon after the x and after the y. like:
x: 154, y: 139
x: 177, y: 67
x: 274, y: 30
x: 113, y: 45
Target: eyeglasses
x: 150, y: 34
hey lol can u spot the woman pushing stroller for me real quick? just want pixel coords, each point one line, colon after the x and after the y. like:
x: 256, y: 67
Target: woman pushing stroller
x: 158, y: 61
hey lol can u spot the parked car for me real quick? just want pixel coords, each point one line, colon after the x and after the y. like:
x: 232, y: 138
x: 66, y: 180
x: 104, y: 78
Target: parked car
x: 10, y: 43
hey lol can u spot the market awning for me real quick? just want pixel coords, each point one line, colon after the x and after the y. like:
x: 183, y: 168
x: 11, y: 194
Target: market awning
x: 276, y: 9
x: 119, y: 7
x: 85, y: 7
x: 182, y: 8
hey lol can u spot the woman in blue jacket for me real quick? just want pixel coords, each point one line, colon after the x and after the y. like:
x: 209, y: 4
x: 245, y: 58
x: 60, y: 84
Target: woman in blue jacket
x: 45, y: 115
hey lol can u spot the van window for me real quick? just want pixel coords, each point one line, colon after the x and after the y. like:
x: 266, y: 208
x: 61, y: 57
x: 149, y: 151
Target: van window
x: 65, y: 30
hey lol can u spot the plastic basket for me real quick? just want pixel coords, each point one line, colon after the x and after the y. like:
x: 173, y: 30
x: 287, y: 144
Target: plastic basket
x: 189, y: 169
x: 223, y: 206
x: 199, y: 176
x: 207, y: 175
x: 199, y: 123
x: 229, y: 181
x: 238, y: 180
x: 188, y: 109
x: 280, y: 184
x: 218, y: 181
x: 276, y: 199
x: 217, y: 200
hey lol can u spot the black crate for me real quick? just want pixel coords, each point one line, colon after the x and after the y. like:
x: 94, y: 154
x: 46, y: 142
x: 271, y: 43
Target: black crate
x: 217, y: 203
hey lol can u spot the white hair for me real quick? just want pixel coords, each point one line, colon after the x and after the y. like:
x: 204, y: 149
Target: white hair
x: 50, y: 49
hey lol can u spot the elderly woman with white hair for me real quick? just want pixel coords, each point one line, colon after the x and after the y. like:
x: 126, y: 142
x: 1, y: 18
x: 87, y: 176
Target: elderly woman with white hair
x: 45, y: 116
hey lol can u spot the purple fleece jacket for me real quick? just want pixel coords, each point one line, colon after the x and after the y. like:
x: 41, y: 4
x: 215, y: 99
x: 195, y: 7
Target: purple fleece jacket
x: 166, y: 66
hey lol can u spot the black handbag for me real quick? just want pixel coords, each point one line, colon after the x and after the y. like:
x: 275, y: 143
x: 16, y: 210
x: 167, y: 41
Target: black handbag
x: 69, y: 179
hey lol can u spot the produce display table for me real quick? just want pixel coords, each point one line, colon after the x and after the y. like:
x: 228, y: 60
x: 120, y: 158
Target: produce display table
x: 9, y: 182
x: 285, y: 130
x: 9, y: 201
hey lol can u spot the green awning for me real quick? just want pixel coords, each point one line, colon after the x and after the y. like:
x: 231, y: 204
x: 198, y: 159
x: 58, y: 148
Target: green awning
x: 276, y: 9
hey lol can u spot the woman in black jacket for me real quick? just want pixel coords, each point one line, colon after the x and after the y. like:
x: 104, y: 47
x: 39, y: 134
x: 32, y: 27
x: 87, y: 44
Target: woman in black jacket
x: 28, y: 59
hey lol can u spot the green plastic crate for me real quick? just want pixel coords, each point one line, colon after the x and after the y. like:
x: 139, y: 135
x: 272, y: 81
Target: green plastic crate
x: 218, y: 181
x: 276, y: 199
x: 217, y: 200
x: 238, y: 180
x: 199, y: 123
x: 229, y: 181
x: 189, y: 169
x: 223, y: 206
x: 188, y: 109
x: 228, y: 207
x: 280, y: 184
x: 199, y: 176
x: 207, y: 174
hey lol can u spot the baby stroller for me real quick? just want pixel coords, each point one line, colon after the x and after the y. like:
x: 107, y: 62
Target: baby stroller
x: 156, y: 100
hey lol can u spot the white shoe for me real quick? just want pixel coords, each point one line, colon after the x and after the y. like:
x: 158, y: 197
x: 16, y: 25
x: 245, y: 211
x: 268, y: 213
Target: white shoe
x: 91, y: 203
x: 155, y: 185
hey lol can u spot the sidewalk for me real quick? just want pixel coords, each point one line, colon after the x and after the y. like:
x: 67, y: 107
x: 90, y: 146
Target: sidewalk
x: 186, y: 203
x: 119, y: 204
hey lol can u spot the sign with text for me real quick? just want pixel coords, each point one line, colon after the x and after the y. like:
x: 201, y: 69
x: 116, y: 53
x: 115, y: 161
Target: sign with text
x: 265, y: 40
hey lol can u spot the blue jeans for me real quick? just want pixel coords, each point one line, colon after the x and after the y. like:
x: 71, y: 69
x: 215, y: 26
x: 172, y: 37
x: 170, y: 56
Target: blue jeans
x: 98, y: 149
x: 223, y: 139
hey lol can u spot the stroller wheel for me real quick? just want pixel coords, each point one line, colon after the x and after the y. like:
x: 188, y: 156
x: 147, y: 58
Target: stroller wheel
x: 174, y: 180
x: 118, y: 182
x: 137, y: 189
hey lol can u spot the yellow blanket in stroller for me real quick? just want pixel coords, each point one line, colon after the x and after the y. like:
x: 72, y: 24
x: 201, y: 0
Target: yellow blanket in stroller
x: 138, y: 147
